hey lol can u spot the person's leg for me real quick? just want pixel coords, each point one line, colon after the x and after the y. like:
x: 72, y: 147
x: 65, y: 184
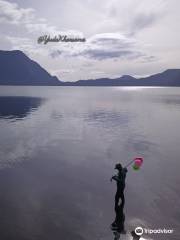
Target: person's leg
x: 117, y: 197
x: 122, y: 198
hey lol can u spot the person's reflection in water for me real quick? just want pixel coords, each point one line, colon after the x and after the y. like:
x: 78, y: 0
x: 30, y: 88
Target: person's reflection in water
x: 118, y: 225
x: 135, y: 236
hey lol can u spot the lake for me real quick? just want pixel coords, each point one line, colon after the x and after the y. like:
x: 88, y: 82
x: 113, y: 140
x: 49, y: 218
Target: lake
x: 58, y: 149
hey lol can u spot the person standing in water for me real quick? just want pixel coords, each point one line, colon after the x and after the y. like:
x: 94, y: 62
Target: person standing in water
x: 120, y: 181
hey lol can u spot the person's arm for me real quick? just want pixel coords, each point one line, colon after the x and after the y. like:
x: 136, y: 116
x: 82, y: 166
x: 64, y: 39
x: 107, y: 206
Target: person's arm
x: 115, y: 178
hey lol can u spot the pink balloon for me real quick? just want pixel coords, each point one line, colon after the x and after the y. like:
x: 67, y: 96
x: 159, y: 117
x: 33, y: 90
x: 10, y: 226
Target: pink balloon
x: 138, y: 161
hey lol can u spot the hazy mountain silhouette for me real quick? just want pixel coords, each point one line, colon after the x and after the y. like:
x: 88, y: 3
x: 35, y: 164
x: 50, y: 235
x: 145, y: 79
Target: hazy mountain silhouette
x: 169, y: 77
x: 124, y: 80
x: 17, y: 69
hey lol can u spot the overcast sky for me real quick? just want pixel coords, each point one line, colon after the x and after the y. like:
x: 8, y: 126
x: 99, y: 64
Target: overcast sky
x: 135, y: 37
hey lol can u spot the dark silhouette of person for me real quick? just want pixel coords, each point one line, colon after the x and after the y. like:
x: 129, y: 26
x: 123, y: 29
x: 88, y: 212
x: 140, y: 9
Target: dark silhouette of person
x: 120, y: 181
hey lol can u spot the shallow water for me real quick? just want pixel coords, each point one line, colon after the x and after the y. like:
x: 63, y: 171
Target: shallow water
x: 58, y: 148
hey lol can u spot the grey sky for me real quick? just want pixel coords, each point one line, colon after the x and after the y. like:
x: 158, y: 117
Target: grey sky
x: 137, y: 37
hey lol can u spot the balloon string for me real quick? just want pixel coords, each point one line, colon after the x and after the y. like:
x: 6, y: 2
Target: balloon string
x: 129, y: 163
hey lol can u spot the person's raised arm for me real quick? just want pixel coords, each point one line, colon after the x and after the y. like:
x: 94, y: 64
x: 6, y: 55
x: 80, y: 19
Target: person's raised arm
x: 115, y: 178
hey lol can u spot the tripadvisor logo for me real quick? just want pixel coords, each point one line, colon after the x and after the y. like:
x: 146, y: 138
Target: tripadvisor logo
x: 139, y: 231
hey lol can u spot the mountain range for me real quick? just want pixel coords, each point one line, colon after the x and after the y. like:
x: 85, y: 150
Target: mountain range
x: 18, y: 69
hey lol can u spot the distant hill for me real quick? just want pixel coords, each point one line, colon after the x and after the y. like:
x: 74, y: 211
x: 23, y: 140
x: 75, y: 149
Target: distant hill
x: 167, y: 78
x: 17, y: 69
x: 124, y: 80
x: 170, y: 77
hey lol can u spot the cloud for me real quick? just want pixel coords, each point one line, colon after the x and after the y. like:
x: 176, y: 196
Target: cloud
x: 21, y: 27
x: 64, y: 71
x: 41, y: 28
x: 142, y: 21
x: 56, y: 53
x: 113, y: 38
x: 26, y: 45
x: 11, y: 13
x: 131, y: 16
x: 102, y: 47
x: 148, y: 59
x: 110, y: 54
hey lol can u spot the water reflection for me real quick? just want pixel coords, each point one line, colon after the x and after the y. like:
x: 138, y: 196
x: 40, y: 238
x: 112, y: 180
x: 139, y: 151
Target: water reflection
x: 18, y: 107
x: 65, y: 152
x: 108, y: 118
x: 137, y: 144
x: 172, y: 100
x: 120, y: 219
x: 118, y: 225
x: 135, y: 236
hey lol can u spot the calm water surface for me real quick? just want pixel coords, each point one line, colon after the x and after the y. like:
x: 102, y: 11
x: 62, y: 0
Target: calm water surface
x: 58, y: 148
